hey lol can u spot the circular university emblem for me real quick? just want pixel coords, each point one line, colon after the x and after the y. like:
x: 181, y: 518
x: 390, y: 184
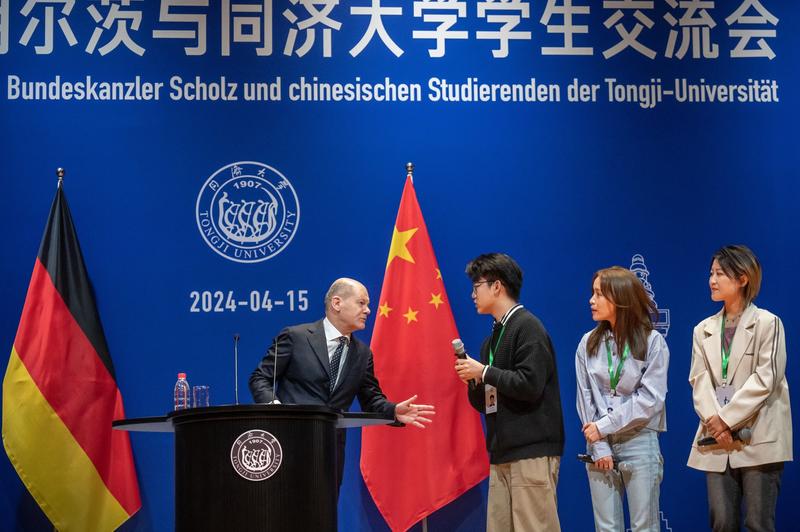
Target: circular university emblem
x: 256, y: 455
x: 247, y: 211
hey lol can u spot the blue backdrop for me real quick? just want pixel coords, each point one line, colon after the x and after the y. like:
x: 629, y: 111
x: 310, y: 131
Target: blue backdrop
x: 567, y: 184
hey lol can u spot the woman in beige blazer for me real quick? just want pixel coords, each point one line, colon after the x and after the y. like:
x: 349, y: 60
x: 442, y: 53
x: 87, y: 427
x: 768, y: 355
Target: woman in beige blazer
x: 741, y: 395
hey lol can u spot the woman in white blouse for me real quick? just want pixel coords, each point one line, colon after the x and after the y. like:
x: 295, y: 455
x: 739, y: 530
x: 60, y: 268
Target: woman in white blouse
x: 621, y: 368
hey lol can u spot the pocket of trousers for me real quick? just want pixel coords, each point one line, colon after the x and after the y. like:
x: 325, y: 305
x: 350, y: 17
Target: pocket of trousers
x: 532, y: 472
x: 493, y: 477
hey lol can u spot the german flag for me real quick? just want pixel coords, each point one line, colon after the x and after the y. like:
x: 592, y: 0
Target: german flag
x: 60, y: 394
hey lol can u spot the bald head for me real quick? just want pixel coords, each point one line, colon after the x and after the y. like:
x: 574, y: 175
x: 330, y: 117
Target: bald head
x: 341, y: 287
x: 347, y: 305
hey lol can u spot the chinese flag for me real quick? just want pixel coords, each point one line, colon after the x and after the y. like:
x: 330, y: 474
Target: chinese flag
x: 412, y: 472
x: 60, y: 394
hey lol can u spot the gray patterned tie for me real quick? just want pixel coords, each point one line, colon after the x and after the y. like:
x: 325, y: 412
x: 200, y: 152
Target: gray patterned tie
x: 337, y: 357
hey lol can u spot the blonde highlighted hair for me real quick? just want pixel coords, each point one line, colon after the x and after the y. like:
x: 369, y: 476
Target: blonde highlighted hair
x: 737, y: 261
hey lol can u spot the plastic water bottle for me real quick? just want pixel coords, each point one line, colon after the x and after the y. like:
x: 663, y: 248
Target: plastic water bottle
x: 181, y: 392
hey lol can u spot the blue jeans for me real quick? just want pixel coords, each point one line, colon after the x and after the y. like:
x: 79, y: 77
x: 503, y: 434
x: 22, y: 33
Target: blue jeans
x: 643, y: 468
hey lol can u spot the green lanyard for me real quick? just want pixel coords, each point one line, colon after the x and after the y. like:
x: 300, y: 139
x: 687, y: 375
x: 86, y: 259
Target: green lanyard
x: 496, y: 345
x: 613, y: 376
x: 726, y: 353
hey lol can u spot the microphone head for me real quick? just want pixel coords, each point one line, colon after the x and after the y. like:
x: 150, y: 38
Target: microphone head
x: 458, y: 346
x: 744, y: 434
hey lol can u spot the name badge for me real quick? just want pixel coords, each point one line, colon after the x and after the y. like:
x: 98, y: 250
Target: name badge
x: 614, y: 402
x: 725, y: 394
x: 491, y: 398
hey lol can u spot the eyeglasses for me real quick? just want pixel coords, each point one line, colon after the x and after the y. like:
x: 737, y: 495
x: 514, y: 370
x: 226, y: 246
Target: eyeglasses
x: 476, y: 285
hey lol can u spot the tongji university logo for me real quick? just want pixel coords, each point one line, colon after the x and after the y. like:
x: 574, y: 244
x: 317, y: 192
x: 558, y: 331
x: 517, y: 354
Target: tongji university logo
x: 247, y: 212
x: 256, y: 455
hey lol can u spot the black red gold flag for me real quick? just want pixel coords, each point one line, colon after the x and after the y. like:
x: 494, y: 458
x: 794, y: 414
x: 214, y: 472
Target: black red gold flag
x: 60, y: 394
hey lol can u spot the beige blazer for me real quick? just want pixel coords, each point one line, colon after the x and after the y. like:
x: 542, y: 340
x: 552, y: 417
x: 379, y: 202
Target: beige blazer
x: 756, y: 369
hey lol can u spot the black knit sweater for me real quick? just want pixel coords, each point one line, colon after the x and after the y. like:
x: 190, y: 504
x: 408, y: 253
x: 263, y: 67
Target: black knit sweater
x: 528, y: 422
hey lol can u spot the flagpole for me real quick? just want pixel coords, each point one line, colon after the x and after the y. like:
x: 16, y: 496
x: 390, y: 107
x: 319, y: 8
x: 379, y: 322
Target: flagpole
x: 410, y: 174
x: 60, y: 173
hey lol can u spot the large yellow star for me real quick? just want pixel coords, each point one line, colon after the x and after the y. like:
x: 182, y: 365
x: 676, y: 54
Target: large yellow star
x: 399, y: 242
x: 385, y: 309
x: 436, y: 300
x: 411, y: 315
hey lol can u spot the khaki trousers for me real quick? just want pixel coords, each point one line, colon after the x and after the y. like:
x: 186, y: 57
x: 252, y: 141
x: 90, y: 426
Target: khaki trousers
x: 522, y: 496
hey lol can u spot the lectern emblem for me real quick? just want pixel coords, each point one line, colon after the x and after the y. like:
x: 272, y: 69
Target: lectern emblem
x: 256, y: 455
x: 247, y: 212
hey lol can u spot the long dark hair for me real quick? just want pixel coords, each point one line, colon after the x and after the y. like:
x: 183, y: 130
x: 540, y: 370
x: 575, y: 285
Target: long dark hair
x: 634, y: 308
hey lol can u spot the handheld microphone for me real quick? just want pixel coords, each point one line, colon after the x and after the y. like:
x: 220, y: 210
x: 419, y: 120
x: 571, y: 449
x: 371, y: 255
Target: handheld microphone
x: 622, y: 467
x: 458, y: 347
x: 743, y: 435
x: 236, y: 366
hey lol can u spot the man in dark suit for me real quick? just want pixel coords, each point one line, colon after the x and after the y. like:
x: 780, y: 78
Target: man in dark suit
x: 322, y: 363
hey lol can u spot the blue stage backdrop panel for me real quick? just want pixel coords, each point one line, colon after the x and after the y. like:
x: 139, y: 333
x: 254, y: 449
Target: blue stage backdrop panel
x: 643, y: 134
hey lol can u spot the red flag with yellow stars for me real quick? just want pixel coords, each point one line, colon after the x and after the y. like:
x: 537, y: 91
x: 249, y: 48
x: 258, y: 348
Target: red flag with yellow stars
x: 413, y: 472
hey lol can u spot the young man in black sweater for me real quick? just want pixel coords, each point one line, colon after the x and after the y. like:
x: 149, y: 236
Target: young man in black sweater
x: 515, y: 385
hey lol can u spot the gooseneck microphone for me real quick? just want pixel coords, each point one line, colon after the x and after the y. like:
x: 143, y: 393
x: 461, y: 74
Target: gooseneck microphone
x: 274, y: 369
x: 236, y: 366
x: 743, y: 435
x: 458, y: 347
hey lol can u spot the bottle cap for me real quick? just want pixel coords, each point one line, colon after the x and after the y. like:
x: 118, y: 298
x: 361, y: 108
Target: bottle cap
x: 181, y: 375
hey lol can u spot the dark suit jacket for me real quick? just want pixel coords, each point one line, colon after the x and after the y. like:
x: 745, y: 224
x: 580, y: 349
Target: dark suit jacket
x: 303, y: 373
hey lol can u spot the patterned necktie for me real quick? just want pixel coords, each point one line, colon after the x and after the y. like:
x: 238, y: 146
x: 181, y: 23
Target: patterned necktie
x: 337, y: 357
